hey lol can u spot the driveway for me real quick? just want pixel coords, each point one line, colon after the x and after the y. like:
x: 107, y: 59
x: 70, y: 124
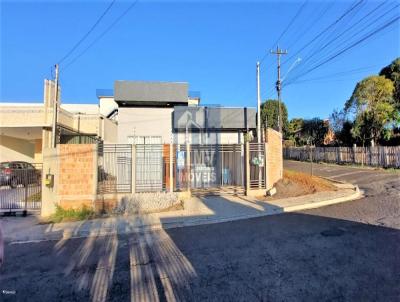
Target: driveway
x: 344, y: 252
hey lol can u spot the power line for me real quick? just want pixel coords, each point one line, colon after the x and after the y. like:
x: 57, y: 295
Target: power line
x: 87, y: 33
x: 349, y: 10
x: 286, y: 28
x: 350, y: 30
x: 369, y: 35
x: 119, y: 18
x: 337, y: 75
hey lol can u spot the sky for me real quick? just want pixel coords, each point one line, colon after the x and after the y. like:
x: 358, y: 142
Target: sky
x: 212, y: 45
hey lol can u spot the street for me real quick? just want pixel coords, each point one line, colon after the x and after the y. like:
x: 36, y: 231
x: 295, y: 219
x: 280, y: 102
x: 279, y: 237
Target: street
x: 344, y: 252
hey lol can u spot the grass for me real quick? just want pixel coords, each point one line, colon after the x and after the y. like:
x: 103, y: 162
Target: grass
x: 64, y: 215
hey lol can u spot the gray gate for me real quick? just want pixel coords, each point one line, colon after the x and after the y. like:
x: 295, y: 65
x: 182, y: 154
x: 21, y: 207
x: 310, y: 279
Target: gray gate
x: 217, y: 166
x: 20, y: 186
x: 114, y: 168
x: 149, y: 168
x: 257, y: 166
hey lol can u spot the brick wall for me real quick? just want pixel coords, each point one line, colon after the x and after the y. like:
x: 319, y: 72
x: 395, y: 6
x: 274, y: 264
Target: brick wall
x: 274, y: 157
x: 77, y: 175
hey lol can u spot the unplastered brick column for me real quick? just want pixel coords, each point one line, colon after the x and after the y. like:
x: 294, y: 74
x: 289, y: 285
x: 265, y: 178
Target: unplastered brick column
x: 274, y: 157
x: 77, y: 181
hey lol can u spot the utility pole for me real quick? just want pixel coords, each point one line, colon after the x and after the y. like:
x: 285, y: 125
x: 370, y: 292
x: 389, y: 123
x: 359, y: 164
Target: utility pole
x: 258, y: 104
x: 279, y: 52
x: 55, y: 110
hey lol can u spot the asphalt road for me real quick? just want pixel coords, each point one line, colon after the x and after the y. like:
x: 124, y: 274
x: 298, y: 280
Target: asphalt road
x: 345, y: 252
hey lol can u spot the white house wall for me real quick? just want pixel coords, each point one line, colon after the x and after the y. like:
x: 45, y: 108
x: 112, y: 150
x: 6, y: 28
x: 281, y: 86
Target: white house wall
x: 139, y: 121
x: 210, y: 138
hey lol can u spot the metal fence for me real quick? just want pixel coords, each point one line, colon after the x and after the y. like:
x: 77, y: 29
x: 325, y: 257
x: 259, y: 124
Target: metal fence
x: 114, y: 168
x: 149, y: 168
x: 164, y: 167
x: 257, y: 166
x: 21, y: 187
x: 379, y: 156
x: 216, y: 165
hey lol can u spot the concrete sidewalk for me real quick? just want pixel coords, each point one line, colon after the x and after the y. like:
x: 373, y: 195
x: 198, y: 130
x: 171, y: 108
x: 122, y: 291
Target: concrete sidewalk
x: 197, y: 211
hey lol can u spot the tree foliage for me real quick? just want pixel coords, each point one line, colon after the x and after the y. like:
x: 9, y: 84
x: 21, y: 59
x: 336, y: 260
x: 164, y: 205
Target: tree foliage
x: 270, y: 113
x: 392, y: 72
x: 374, y: 108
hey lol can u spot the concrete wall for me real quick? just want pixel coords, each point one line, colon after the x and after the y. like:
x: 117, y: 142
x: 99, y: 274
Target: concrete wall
x: 109, y: 131
x: 139, y: 121
x: 274, y: 155
x: 12, y: 148
x: 49, y: 193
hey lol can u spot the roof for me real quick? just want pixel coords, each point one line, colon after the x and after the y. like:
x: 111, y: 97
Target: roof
x: 201, y: 118
x: 150, y: 92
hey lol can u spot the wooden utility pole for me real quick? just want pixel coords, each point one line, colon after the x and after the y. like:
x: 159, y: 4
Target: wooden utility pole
x: 55, y: 111
x: 278, y: 52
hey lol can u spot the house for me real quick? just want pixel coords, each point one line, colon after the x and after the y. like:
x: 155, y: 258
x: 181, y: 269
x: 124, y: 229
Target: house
x: 164, y: 112
x: 26, y: 128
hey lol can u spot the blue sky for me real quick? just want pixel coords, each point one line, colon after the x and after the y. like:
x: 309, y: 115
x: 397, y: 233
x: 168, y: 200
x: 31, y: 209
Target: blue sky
x: 212, y: 45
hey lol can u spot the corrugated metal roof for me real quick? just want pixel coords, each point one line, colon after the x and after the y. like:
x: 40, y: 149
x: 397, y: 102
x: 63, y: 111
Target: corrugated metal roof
x: 140, y: 91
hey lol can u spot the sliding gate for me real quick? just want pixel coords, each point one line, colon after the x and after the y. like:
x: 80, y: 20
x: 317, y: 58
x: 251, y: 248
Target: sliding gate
x: 217, y: 168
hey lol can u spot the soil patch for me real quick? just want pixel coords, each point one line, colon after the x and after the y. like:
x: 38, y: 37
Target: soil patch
x: 296, y: 184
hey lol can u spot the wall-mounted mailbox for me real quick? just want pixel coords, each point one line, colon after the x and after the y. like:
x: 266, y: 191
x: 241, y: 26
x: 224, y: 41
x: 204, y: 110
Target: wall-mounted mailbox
x: 49, y: 180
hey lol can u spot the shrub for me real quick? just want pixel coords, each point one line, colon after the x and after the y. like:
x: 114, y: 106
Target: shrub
x: 62, y: 214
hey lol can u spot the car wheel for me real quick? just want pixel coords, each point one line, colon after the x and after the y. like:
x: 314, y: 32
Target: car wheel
x: 13, y: 183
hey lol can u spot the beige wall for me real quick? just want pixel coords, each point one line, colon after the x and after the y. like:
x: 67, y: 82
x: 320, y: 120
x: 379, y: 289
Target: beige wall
x: 144, y: 122
x: 49, y: 194
x: 16, y: 149
x: 274, y: 157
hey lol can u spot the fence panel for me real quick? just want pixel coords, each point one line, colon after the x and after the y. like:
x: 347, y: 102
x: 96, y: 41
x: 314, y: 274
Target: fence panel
x: 21, y: 186
x: 216, y: 165
x: 149, y: 168
x: 257, y: 166
x: 378, y: 156
x: 114, y: 168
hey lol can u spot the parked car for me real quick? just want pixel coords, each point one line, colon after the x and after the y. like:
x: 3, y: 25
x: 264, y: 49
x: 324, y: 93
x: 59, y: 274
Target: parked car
x: 16, y: 173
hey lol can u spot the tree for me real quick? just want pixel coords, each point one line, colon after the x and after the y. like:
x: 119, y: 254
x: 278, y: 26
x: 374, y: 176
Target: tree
x: 269, y: 115
x: 294, y: 130
x: 374, y: 109
x: 314, y: 131
x: 392, y: 72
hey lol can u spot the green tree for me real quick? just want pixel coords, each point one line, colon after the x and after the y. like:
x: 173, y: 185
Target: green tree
x: 269, y: 115
x: 314, y: 131
x: 392, y: 72
x: 374, y: 109
x: 294, y: 130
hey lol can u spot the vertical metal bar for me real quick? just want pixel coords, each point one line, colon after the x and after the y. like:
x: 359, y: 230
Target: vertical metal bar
x: 26, y: 190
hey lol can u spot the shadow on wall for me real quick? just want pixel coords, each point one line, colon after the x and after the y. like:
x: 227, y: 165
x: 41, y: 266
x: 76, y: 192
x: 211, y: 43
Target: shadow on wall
x: 283, y: 257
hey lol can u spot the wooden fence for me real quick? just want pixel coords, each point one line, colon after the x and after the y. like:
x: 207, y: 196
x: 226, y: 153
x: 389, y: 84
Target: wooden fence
x: 386, y: 157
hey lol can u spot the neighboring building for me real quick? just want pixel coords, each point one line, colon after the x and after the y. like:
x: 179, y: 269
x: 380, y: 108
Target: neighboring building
x: 25, y: 128
x: 161, y: 112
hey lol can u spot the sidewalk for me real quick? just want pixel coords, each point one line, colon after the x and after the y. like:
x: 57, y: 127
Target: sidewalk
x: 197, y: 211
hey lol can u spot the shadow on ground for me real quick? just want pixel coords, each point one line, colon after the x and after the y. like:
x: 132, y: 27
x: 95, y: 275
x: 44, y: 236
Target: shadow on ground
x: 287, y: 257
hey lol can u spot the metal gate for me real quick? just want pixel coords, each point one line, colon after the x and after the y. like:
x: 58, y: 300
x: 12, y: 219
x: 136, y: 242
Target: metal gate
x: 20, y: 186
x: 217, y: 166
x: 114, y: 168
x: 257, y: 166
x: 149, y: 168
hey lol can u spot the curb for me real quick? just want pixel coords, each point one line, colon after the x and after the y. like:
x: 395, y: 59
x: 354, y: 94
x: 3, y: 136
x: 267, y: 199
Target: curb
x: 201, y: 221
